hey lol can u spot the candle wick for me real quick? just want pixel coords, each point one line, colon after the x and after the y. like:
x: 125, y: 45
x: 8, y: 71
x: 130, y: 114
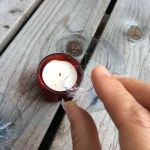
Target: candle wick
x: 59, y: 74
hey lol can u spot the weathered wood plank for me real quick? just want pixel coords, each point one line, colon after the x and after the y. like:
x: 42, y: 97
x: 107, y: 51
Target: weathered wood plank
x: 13, y: 15
x: 37, y: 39
x: 127, y: 13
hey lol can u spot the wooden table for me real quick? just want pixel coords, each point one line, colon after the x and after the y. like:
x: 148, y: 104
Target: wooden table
x: 29, y: 30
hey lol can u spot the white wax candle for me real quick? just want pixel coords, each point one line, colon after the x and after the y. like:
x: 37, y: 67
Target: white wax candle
x: 59, y: 75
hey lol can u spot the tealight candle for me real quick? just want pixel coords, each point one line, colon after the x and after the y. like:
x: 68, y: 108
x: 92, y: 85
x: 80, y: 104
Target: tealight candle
x: 59, y: 74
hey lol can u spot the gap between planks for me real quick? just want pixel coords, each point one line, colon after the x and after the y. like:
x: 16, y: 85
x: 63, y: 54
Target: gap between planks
x: 54, y: 126
x: 50, y: 135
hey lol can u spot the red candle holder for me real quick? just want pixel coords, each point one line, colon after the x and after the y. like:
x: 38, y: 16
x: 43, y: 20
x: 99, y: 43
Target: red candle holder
x: 51, y: 94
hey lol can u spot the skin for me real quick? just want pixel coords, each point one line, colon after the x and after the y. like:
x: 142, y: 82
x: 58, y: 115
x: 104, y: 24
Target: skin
x: 128, y: 104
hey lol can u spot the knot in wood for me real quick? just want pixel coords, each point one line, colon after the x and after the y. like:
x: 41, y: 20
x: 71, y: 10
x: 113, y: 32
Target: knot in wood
x: 74, y: 48
x: 134, y: 33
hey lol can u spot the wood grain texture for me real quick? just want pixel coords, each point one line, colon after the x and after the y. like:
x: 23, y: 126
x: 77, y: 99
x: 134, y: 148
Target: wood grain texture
x: 38, y: 38
x: 13, y: 14
x: 126, y: 13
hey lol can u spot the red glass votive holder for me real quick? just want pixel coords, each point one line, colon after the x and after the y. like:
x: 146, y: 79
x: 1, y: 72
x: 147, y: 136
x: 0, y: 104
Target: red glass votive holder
x: 51, y: 94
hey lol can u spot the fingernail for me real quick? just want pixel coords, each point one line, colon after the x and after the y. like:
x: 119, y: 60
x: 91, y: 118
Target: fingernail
x: 102, y: 70
x: 68, y: 107
x: 105, y: 71
x: 66, y: 104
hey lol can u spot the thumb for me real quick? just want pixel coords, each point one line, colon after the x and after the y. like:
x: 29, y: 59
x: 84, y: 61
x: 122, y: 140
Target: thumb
x: 83, y: 129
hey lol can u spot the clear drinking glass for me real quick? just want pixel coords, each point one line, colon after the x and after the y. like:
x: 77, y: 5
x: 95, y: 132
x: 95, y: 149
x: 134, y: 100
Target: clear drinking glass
x: 86, y: 96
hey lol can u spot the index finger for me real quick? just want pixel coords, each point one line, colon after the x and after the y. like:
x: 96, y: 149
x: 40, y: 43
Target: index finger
x: 119, y: 103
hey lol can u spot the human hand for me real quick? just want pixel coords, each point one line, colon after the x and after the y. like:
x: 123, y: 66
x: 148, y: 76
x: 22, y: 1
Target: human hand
x: 127, y: 102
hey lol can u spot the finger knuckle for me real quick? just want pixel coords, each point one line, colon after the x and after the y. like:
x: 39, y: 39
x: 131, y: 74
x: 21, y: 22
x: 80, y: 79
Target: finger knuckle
x: 140, y: 116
